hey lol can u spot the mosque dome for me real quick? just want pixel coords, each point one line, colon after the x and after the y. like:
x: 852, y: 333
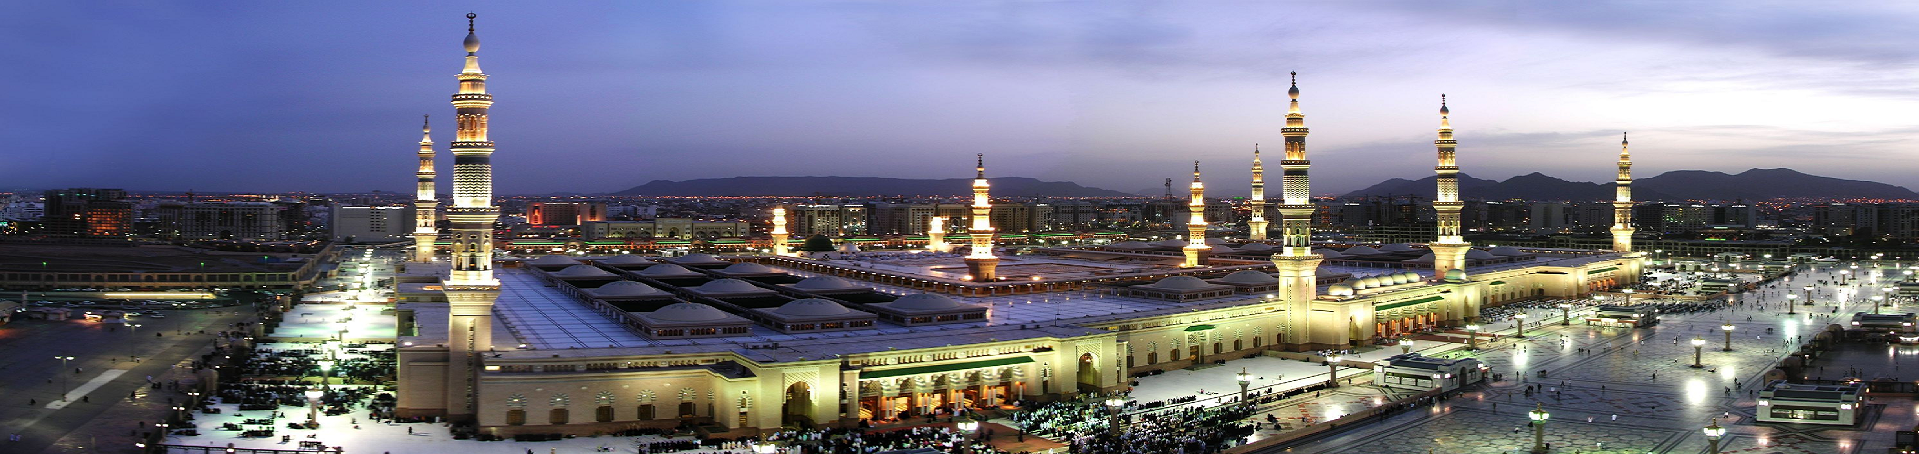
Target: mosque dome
x: 747, y: 268
x: 1367, y: 282
x: 824, y: 283
x: 472, y: 41
x: 688, y: 312
x: 626, y: 288
x: 812, y: 307
x: 699, y: 258
x: 627, y: 259
x: 924, y: 302
x: 582, y: 271
x: 1479, y: 255
x: 1130, y: 245
x: 1455, y: 275
x: 1248, y: 277
x: 728, y: 286
x: 1506, y: 251
x: 1396, y: 247
x: 1360, y: 250
x: 1181, y: 283
x: 553, y: 260
x: 1329, y: 253
x: 667, y: 271
x: 1340, y: 289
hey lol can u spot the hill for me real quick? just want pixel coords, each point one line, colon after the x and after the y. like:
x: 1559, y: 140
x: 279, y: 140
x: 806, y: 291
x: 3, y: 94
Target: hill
x: 862, y: 186
x: 1753, y: 184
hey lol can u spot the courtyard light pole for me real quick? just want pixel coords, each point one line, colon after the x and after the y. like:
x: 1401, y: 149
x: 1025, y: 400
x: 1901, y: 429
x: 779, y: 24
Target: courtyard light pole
x: 1332, y: 370
x: 1713, y: 432
x: 1727, y: 327
x: 1112, y: 409
x: 63, y: 375
x: 1628, y: 293
x: 1808, y: 288
x: 1472, y: 337
x: 1519, y: 325
x: 1565, y: 314
x: 1877, y: 300
x: 1790, y: 303
x: 1698, y: 345
x: 313, y: 406
x: 1405, y: 345
x: 1539, y: 416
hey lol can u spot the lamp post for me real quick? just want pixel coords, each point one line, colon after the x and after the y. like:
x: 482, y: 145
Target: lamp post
x: 1472, y: 337
x: 1713, y: 432
x: 1519, y: 325
x: 1877, y: 300
x: 63, y: 375
x: 1698, y: 345
x: 1112, y: 412
x: 1565, y: 314
x: 967, y: 428
x: 1332, y: 370
x: 313, y: 405
x: 1405, y: 345
x: 1727, y: 327
x: 326, y: 372
x: 1808, y: 289
x: 1539, y: 416
x: 1245, y: 379
x: 1789, y: 303
x: 1628, y: 293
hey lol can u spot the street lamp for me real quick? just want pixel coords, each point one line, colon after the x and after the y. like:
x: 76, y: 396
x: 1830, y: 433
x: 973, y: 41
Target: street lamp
x: 1698, y: 345
x: 1789, y: 303
x: 1519, y: 326
x: 966, y: 431
x: 1877, y: 300
x: 63, y: 375
x: 313, y: 405
x: 1539, y: 416
x: 1245, y: 379
x: 1628, y: 293
x: 1405, y: 345
x: 1332, y: 370
x: 326, y: 372
x: 1808, y: 288
x: 1727, y: 327
x: 1565, y: 314
x: 1112, y: 412
x: 1472, y: 337
x: 1713, y: 432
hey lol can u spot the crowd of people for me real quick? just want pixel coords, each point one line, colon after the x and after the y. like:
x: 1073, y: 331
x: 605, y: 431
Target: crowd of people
x: 354, y: 362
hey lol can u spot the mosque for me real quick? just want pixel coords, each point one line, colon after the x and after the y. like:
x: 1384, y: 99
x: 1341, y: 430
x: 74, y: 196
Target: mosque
x: 586, y: 345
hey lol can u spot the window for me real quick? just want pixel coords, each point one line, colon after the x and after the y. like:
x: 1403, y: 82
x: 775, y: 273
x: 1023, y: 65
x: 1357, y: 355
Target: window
x: 646, y: 412
x: 557, y: 416
x: 603, y: 414
x: 515, y: 417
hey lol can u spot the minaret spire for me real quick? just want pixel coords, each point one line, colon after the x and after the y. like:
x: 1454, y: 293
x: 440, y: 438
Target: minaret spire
x: 1622, y: 229
x: 1297, y: 264
x: 470, y: 287
x: 1196, y: 246
x: 779, y: 231
x: 425, y: 205
x: 980, y: 262
x: 1256, y: 226
x: 1449, y: 249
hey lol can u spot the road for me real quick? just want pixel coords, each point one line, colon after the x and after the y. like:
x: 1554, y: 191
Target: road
x: 33, y: 377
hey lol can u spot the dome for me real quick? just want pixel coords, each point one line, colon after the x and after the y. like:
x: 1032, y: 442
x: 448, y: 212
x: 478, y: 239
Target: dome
x: 582, y: 271
x: 1255, y: 247
x: 688, y: 312
x: 1340, y: 289
x: 1479, y: 255
x: 626, y: 288
x: 924, y: 302
x: 1223, y: 249
x: 472, y: 42
x: 1171, y: 243
x: 1360, y: 250
x: 1396, y: 247
x: 824, y: 283
x: 1368, y: 282
x: 553, y: 260
x: 1215, y: 241
x: 1455, y: 275
x: 1329, y: 253
x: 1181, y: 283
x: 728, y: 286
x: 812, y: 307
x: 747, y: 268
x: 1412, y: 277
x: 849, y: 248
x: 1248, y: 277
x: 1130, y: 245
x: 1396, y: 278
x: 1428, y: 258
x: 1506, y: 251
x: 627, y: 259
x: 667, y: 271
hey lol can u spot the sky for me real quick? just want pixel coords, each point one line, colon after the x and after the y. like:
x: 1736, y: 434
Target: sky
x: 601, y: 96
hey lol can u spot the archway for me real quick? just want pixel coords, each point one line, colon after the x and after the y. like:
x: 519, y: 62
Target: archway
x: 799, y: 405
x: 1088, y: 373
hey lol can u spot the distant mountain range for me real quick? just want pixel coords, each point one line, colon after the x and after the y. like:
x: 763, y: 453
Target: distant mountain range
x: 1752, y: 184
x: 862, y: 186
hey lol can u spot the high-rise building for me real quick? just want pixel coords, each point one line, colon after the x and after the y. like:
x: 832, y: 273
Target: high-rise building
x: 835, y: 220
x: 360, y: 224
x: 88, y: 212
x: 259, y: 221
x: 564, y: 213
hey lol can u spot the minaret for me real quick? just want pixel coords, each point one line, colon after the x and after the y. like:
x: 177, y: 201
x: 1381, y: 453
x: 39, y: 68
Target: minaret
x: 779, y: 231
x: 936, y: 234
x: 1622, y: 203
x: 1256, y: 227
x: 425, y: 206
x: 1297, y: 264
x: 1196, y: 247
x: 470, y: 287
x: 1449, y: 250
x: 980, y: 263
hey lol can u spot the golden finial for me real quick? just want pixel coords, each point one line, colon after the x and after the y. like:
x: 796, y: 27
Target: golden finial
x: 980, y: 164
x: 469, y: 21
x: 425, y: 124
x: 1622, y: 138
x: 1443, y: 111
x: 1195, y: 171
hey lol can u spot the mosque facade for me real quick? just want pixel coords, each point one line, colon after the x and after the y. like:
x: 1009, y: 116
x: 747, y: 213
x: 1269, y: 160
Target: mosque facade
x: 592, y: 345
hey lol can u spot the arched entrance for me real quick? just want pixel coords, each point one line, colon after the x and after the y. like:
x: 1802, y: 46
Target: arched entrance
x: 799, y: 405
x: 1088, y: 373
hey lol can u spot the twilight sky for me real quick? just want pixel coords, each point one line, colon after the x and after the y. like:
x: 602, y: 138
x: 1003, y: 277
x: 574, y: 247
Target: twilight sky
x: 598, y: 97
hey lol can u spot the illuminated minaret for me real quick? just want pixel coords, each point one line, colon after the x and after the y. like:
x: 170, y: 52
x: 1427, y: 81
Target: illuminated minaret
x: 1449, y: 250
x: 470, y: 287
x: 1622, y: 202
x: 425, y: 206
x: 1196, y: 247
x: 779, y: 231
x: 936, y: 234
x: 981, y: 263
x: 1297, y: 263
x: 1256, y: 227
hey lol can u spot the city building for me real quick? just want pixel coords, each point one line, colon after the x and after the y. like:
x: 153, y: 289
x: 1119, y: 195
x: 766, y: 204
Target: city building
x: 833, y: 220
x: 88, y: 212
x: 371, y: 224
x: 679, y: 228
x: 564, y: 213
x: 221, y: 221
